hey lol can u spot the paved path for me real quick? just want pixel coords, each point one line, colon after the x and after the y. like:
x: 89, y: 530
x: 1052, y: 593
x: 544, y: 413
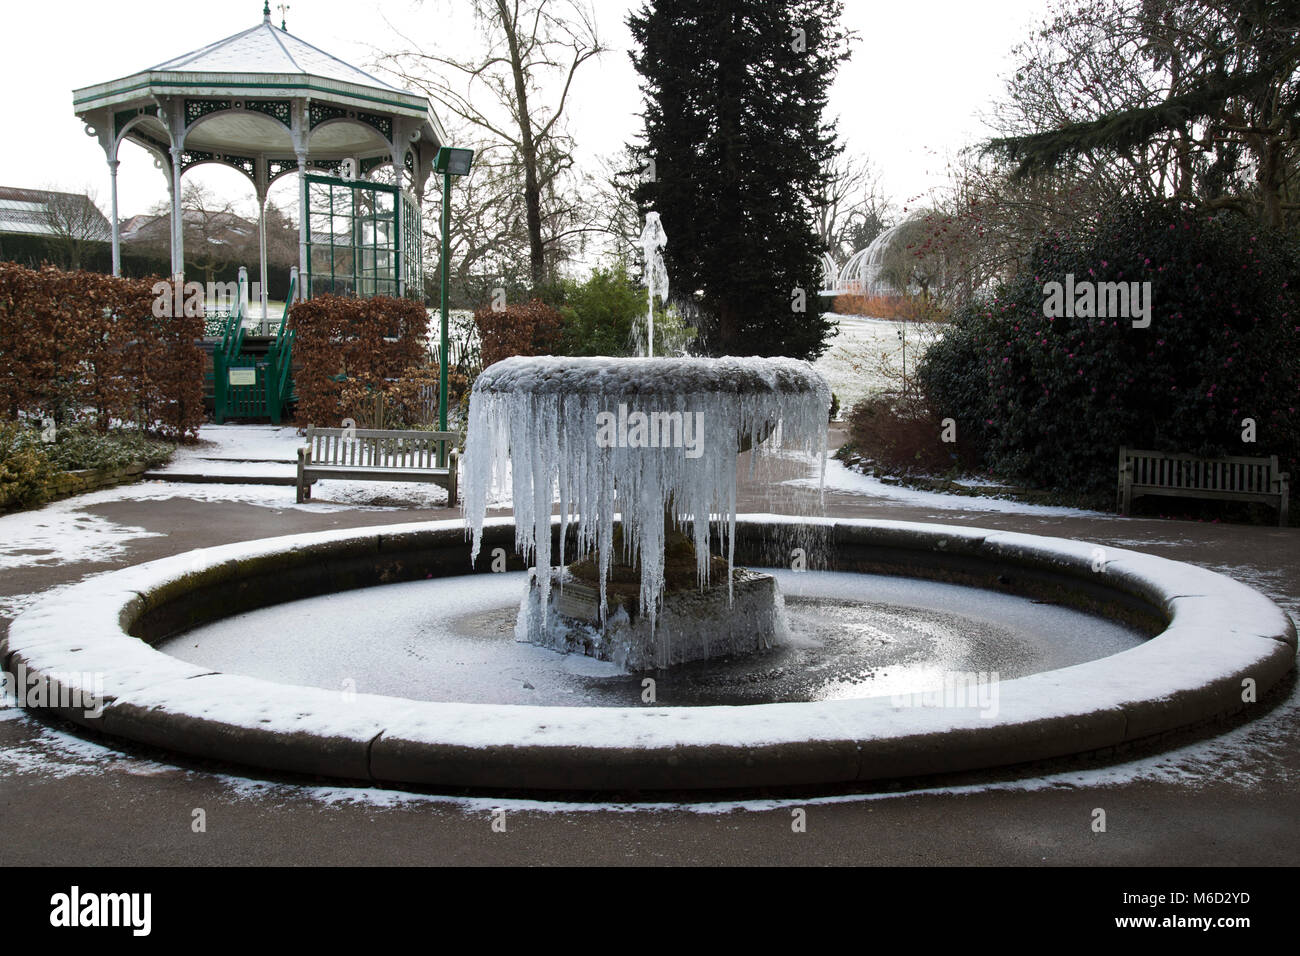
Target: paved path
x: 1220, y: 799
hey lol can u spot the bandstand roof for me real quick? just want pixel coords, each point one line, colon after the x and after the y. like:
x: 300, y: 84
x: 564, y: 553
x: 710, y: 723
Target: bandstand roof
x: 247, y: 96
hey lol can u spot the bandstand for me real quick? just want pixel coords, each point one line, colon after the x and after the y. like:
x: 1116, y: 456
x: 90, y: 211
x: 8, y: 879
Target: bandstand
x: 271, y: 105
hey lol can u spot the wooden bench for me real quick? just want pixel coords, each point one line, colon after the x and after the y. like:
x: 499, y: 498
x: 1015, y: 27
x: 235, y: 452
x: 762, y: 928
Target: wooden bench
x: 1186, y: 476
x: 367, y: 454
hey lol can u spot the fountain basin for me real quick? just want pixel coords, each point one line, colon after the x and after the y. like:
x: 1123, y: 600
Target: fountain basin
x: 94, y: 637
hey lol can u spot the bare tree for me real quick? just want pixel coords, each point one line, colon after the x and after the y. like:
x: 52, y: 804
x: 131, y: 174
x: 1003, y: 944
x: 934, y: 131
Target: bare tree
x: 214, y: 233
x: 515, y: 93
x: 853, y: 209
x: 75, y: 223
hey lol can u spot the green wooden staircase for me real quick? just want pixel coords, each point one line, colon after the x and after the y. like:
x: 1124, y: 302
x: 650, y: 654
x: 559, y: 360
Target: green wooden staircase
x: 252, y: 376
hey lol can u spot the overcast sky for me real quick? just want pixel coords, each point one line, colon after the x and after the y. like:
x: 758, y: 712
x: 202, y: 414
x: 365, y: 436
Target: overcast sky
x: 923, y: 74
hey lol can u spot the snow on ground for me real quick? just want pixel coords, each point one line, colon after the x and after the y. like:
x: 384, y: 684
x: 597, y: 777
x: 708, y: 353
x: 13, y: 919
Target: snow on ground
x: 851, y: 362
x: 840, y: 478
x: 276, y: 443
x: 62, y: 533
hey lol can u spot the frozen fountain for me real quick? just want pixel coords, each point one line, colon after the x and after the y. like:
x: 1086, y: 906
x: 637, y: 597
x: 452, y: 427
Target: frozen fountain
x: 643, y: 456
x: 652, y: 241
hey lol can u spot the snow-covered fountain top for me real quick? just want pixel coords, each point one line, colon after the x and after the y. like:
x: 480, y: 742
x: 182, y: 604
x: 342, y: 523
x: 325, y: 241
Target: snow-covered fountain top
x: 653, y: 440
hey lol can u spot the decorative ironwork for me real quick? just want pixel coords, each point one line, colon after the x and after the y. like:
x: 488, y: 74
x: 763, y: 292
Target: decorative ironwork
x: 381, y: 123
x: 245, y: 164
x: 373, y: 163
x: 332, y: 166
x: 197, y: 109
x: 322, y: 113
x: 276, y: 168
x: 192, y: 157
x: 276, y: 109
x: 122, y: 117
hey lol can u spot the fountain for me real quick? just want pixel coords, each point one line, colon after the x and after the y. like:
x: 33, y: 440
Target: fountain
x: 653, y: 239
x: 655, y: 441
x: 237, y: 653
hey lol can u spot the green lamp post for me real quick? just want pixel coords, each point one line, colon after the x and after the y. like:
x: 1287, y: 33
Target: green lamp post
x: 450, y: 162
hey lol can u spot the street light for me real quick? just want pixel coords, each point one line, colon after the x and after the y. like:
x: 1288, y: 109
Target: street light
x: 450, y: 162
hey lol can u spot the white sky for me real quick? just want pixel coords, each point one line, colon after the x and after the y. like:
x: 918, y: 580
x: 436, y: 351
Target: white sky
x: 922, y: 74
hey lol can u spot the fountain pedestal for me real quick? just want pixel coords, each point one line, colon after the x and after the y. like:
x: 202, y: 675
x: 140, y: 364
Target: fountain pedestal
x: 691, y: 624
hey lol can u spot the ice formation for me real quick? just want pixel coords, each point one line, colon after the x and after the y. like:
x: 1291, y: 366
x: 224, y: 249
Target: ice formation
x: 653, y: 239
x: 635, y: 438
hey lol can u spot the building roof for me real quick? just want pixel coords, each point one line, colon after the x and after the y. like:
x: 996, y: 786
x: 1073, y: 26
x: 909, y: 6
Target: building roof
x: 27, y: 212
x: 267, y: 49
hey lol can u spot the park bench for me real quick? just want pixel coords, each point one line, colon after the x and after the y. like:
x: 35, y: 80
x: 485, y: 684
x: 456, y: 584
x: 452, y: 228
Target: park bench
x: 364, y: 454
x: 1186, y: 476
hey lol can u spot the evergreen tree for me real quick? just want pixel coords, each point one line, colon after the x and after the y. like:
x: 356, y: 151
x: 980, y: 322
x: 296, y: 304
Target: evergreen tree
x: 739, y: 150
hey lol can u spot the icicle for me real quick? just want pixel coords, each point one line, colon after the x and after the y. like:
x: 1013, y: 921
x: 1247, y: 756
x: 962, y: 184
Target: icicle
x: 535, y: 422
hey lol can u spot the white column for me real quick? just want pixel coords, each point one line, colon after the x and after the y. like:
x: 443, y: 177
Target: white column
x: 178, y: 221
x: 261, y: 253
x: 117, y: 229
x: 302, y: 219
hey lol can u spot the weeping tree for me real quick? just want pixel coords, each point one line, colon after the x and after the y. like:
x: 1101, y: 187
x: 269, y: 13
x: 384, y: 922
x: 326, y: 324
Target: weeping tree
x: 737, y: 152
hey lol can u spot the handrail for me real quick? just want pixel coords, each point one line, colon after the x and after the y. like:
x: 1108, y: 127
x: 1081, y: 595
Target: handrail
x: 284, y: 357
x: 232, y: 340
x: 288, y: 302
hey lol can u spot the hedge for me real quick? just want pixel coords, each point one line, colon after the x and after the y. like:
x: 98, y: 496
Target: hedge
x: 74, y: 344
x: 532, y: 328
x: 346, y: 345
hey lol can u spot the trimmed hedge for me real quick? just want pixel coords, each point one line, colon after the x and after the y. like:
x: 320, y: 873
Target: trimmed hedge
x: 73, y: 343
x: 346, y: 344
x: 1049, y: 400
x: 533, y: 328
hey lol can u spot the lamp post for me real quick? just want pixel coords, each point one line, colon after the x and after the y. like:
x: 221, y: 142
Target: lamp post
x: 450, y: 162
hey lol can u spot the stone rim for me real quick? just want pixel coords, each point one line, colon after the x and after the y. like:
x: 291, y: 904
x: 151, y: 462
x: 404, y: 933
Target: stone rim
x: 1219, y: 633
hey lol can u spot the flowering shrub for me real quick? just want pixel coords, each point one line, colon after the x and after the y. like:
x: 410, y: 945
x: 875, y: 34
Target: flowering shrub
x: 1049, y: 400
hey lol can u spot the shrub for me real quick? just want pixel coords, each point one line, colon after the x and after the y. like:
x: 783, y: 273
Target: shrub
x: 26, y: 471
x: 901, y: 433
x: 912, y: 308
x: 532, y: 328
x: 357, y: 344
x: 409, y: 401
x: 1048, y: 400
x: 80, y: 448
x: 601, y: 314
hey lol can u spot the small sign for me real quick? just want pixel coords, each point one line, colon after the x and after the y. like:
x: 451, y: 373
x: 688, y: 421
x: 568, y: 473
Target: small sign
x: 243, y: 376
